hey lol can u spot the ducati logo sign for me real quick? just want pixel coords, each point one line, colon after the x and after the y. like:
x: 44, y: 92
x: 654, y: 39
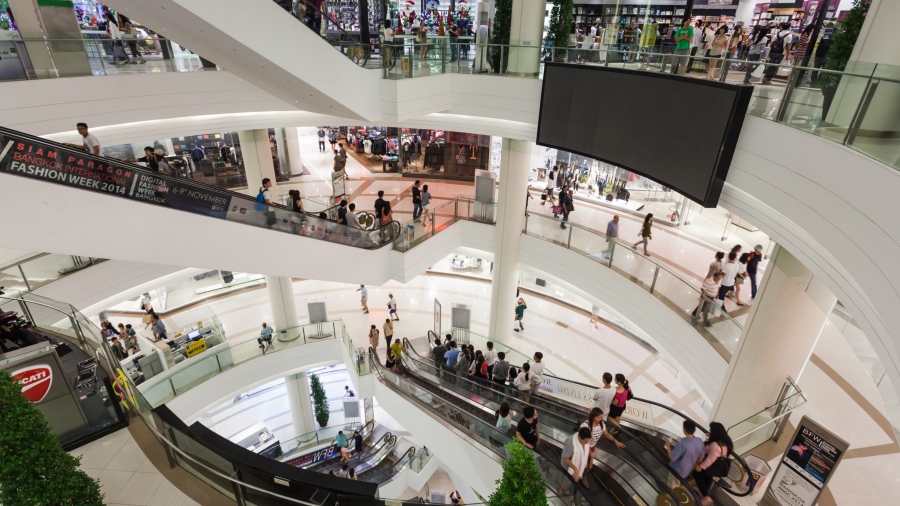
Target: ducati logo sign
x: 36, y: 381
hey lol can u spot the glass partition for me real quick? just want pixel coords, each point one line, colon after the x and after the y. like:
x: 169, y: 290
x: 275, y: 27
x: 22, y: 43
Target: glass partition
x: 42, y: 269
x: 705, y: 314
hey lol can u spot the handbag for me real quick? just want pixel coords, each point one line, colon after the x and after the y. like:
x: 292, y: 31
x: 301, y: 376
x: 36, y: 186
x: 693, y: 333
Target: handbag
x: 557, y: 210
x: 719, y: 468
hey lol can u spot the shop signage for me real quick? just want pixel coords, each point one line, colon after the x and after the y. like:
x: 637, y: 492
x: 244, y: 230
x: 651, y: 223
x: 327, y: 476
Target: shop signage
x: 41, y: 161
x: 36, y: 381
x: 195, y: 347
x: 312, y: 457
x: 805, y: 467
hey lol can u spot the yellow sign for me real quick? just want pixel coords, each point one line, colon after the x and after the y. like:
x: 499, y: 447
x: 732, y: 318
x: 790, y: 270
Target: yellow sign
x: 195, y: 347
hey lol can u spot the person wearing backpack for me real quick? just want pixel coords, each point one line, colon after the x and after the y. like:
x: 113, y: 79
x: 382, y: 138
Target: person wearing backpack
x: 716, y: 463
x: 264, y: 202
x: 779, y: 50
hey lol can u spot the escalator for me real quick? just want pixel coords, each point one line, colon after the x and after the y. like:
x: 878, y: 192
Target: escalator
x: 648, y: 444
x: 556, y: 422
x: 123, y: 184
x: 395, y: 461
x: 375, y: 444
x: 613, y: 481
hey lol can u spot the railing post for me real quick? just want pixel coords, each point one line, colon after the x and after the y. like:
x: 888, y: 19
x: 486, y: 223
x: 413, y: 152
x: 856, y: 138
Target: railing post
x: 77, y: 330
x: 443, y: 61
x: 456, y: 210
x: 569, y: 240
x: 27, y: 285
x: 653, y: 283
x: 725, y: 65
x: 219, y: 364
x: 612, y: 250
x: 526, y: 223
x: 172, y: 386
x: 860, y: 113
x: 786, y: 98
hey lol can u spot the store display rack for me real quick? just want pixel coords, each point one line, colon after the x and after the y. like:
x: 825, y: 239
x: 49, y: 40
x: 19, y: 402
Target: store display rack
x: 635, y: 14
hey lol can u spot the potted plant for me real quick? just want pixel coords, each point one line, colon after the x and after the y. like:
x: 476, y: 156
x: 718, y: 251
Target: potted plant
x: 320, y: 401
x: 842, y: 41
x: 500, y: 35
x: 557, y: 42
x: 34, y: 469
x: 521, y: 484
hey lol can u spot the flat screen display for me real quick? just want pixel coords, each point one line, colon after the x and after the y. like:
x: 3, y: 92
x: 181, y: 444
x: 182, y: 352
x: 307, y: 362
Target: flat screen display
x: 678, y: 131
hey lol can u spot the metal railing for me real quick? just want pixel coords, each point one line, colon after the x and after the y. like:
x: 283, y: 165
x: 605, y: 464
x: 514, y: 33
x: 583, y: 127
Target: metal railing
x: 37, y: 270
x: 432, y: 222
x: 769, y: 423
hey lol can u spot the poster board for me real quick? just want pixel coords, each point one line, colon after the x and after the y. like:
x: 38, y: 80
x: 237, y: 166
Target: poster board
x: 437, y: 317
x: 806, y: 466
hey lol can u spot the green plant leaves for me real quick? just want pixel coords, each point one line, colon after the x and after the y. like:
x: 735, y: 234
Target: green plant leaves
x: 521, y: 484
x: 321, y: 411
x: 34, y: 469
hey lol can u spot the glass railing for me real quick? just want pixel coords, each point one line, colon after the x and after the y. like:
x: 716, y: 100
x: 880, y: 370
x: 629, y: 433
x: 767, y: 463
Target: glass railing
x: 414, y: 232
x: 101, y: 57
x: 475, y: 428
x: 294, y: 446
x: 420, y: 460
x: 649, y: 273
x: 35, y: 271
x: 768, y: 423
x: 27, y: 156
x: 169, y: 384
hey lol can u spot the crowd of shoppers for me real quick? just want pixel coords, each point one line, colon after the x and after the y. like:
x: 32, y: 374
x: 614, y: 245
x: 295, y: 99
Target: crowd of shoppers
x: 724, y: 279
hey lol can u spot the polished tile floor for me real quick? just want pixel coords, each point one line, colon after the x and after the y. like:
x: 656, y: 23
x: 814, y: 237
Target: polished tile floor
x: 126, y: 476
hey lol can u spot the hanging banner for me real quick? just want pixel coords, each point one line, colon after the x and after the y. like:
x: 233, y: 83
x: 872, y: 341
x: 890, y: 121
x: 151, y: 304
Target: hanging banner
x: 312, y: 457
x: 47, y: 163
x: 583, y: 395
x: 806, y: 466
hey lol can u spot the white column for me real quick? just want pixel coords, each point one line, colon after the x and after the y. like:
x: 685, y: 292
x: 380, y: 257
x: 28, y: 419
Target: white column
x: 744, y: 12
x: 526, y: 29
x: 515, y: 165
x: 257, y: 155
x: 300, y: 401
x: 789, y: 313
x: 284, y: 307
x: 292, y: 139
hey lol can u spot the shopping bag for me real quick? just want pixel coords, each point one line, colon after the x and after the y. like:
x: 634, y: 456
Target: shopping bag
x: 557, y: 210
x: 758, y: 71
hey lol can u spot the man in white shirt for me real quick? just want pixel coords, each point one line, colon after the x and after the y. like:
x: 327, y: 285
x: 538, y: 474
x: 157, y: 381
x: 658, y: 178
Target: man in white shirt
x: 537, y: 372
x: 603, y: 396
x: 89, y: 143
x: 729, y: 273
x: 490, y: 358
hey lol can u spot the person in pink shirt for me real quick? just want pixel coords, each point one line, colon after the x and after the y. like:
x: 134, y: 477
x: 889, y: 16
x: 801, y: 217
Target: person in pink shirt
x: 715, y: 463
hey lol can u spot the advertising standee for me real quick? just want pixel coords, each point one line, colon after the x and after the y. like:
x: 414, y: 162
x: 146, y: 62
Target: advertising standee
x: 805, y: 467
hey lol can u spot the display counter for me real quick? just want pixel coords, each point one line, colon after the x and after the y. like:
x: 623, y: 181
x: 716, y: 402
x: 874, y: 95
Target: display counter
x: 258, y: 439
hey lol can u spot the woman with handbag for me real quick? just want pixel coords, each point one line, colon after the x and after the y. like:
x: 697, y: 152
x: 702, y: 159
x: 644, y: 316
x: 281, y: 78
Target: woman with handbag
x: 758, y: 41
x: 716, y: 463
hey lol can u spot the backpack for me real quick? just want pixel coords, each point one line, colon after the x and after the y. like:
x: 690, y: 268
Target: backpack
x: 630, y: 395
x: 778, y: 45
x: 260, y: 201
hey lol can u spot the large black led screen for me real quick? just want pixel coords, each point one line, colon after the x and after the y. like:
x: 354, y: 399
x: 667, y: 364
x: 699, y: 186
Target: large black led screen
x: 678, y: 131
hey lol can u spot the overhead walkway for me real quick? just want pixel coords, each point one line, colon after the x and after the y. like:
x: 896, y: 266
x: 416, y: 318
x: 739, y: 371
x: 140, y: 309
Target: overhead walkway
x: 645, y: 446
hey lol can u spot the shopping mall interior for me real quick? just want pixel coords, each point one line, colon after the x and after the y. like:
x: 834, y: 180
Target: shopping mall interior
x: 510, y: 252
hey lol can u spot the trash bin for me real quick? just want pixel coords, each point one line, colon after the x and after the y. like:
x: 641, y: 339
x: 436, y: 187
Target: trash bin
x: 759, y: 470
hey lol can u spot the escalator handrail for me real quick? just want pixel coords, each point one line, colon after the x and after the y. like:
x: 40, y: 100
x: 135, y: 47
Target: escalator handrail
x: 328, y: 464
x: 635, y: 462
x: 734, y: 456
x: 493, y: 386
x: 403, y: 463
x: 13, y: 134
x: 377, y: 366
